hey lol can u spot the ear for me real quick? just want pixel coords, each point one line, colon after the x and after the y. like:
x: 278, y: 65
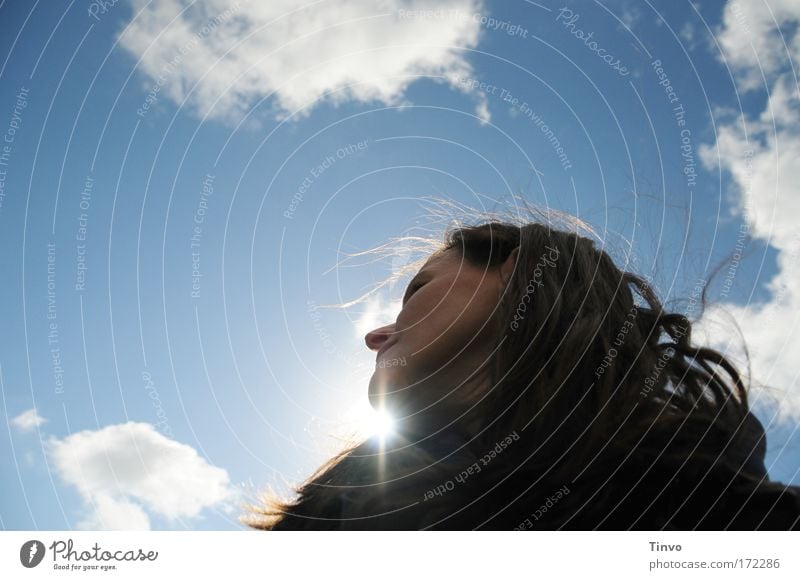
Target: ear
x: 507, y: 267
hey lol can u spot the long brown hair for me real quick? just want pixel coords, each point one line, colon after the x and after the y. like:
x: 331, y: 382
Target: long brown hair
x: 601, y: 414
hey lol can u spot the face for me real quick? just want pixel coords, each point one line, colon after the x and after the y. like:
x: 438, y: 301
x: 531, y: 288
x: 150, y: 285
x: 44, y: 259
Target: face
x: 437, y: 351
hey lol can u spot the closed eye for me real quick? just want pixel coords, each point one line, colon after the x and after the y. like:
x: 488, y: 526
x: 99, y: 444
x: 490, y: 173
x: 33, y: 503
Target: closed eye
x: 411, y: 289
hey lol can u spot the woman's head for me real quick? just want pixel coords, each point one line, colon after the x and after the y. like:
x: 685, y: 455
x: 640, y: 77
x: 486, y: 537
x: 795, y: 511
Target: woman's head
x: 525, y: 333
x: 522, y: 305
x: 435, y: 355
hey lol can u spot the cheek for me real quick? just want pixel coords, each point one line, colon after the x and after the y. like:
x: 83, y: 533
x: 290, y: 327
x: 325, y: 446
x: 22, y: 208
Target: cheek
x: 459, y: 322
x: 471, y: 322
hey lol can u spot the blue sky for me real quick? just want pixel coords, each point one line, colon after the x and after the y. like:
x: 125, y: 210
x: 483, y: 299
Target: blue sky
x: 181, y: 183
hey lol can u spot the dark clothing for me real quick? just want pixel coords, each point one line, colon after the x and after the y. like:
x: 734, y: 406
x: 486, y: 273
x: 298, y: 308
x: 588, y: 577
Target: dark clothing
x: 628, y: 506
x: 636, y: 492
x: 672, y: 479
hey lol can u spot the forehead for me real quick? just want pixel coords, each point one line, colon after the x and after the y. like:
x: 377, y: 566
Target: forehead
x: 438, y: 261
x: 444, y: 260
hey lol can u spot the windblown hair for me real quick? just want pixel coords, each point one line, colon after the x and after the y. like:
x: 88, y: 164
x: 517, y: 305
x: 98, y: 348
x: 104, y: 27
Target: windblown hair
x: 601, y: 414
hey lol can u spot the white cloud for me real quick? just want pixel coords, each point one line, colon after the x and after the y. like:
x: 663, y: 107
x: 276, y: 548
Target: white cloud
x: 751, y: 41
x: 109, y: 513
x: 28, y: 420
x: 377, y: 312
x: 124, y: 471
x: 762, y: 155
x: 338, y: 50
x: 783, y: 105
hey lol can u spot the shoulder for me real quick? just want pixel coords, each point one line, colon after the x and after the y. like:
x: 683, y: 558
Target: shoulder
x: 771, y: 506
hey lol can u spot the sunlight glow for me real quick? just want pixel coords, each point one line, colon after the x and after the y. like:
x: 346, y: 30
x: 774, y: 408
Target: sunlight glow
x: 364, y: 422
x: 380, y: 424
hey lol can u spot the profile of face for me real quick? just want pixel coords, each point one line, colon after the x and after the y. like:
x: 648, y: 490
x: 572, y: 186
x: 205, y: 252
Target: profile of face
x: 437, y: 351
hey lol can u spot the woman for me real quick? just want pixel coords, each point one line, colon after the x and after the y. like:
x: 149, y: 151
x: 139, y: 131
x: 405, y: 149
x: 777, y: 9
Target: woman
x: 537, y: 386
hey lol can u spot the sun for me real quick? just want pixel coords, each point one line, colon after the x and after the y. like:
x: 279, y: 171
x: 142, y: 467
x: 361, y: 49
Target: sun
x: 380, y: 424
x: 370, y: 422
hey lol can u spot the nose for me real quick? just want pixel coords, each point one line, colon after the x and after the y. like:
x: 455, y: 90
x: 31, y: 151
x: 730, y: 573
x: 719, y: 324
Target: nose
x: 377, y: 337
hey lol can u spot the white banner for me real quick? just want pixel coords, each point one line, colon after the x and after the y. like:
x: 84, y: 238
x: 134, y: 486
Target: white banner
x: 401, y: 555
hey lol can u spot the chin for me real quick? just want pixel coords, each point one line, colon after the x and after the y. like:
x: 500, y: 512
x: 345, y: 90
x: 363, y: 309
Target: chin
x: 379, y: 384
x: 383, y: 393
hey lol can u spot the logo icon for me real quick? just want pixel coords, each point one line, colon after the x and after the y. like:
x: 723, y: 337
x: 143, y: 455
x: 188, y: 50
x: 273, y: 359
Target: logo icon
x: 31, y: 553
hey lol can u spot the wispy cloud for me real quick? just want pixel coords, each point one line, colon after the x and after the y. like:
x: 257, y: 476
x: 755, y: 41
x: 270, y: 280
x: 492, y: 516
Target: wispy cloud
x: 754, y: 38
x: 28, y: 420
x: 376, y: 313
x: 762, y: 155
x: 221, y: 58
x: 125, y: 471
